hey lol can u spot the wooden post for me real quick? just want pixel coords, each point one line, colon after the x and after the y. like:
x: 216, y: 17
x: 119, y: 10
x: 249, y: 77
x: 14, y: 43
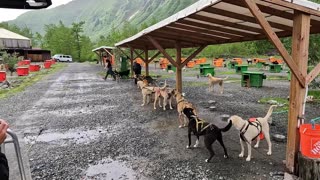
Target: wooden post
x: 146, y: 61
x: 178, y: 68
x: 131, y: 61
x: 300, y: 45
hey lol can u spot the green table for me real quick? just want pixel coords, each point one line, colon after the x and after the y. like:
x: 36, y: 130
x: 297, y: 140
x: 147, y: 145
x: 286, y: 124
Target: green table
x: 275, y: 68
x: 171, y: 67
x: 204, y: 65
x: 206, y: 70
x: 252, y: 79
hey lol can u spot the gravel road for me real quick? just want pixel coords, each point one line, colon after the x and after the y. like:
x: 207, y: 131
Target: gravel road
x: 77, y: 126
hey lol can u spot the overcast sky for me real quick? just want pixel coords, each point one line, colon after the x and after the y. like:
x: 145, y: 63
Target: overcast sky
x: 9, y: 14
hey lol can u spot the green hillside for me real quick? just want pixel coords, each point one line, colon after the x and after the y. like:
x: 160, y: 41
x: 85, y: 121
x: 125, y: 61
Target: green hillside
x: 101, y: 15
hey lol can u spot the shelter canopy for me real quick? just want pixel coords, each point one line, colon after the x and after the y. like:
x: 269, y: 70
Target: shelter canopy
x: 223, y: 21
x: 10, y: 39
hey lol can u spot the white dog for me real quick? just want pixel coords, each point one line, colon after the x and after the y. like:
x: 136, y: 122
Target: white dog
x: 251, y: 130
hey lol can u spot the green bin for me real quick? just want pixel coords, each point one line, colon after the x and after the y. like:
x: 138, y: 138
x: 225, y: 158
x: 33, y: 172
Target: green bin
x: 232, y: 64
x: 124, y: 63
x: 241, y: 68
x: 252, y: 79
x: 206, y: 70
x: 171, y: 67
x: 289, y: 75
x: 275, y: 68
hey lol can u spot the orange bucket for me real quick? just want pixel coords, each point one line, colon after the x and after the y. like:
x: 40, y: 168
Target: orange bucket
x: 261, y: 134
x: 191, y: 64
x: 310, y: 140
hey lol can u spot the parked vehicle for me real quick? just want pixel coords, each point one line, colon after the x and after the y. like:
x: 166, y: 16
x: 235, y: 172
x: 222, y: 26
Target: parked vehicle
x: 62, y: 58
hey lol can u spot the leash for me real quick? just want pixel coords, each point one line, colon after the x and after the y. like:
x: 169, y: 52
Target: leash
x: 200, y: 122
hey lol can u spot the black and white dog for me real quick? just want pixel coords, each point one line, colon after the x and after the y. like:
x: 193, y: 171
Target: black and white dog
x: 210, y: 132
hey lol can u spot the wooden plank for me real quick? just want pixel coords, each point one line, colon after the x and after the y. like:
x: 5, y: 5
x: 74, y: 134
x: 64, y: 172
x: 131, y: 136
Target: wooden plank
x: 193, y: 55
x: 207, y: 31
x: 178, y: 68
x: 215, y: 28
x: 275, y: 40
x: 138, y: 54
x: 300, y: 45
x: 170, y: 37
x: 225, y: 23
x: 189, y: 34
x: 313, y: 74
x: 244, y: 17
x: 107, y: 51
x: 122, y: 51
x: 159, y: 47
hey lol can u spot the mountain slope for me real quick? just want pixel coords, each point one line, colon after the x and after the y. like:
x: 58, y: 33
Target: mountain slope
x: 101, y: 15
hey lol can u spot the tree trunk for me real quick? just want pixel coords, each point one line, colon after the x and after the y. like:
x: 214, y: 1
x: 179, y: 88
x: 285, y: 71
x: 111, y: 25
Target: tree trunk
x: 309, y: 168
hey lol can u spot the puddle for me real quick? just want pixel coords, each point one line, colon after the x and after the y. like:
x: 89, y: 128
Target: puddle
x: 78, y: 136
x: 110, y: 169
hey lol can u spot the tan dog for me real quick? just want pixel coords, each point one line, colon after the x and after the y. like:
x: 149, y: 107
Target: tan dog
x: 251, y: 130
x: 215, y: 80
x: 146, y: 92
x: 181, y: 105
x: 140, y: 84
x: 161, y: 92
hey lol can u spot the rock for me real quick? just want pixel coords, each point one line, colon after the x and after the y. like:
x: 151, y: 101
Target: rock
x: 272, y: 102
x: 212, y: 108
x: 211, y: 102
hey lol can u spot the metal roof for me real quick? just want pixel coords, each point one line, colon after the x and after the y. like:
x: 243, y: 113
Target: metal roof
x: 210, y: 22
x: 103, y: 47
x: 6, y: 34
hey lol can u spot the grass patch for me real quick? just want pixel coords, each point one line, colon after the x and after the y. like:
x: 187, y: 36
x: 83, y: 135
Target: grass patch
x: 277, y: 77
x: 314, y: 93
x: 283, y: 101
x: 227, y: 72
x: 20, y: 83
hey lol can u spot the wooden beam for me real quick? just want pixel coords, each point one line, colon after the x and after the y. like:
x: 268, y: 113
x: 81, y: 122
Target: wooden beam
x: 178, y: 68
x: 146, y: 60
x: 171, y: 37
x: 226, y: 23
x: 122, y: 51
x: 106, y: 50
x: 195, y: 34
x: 159, y: 47
x: 246, y: 18
x: 131, y: 61
x: 193, y: 55
x: 138, y: 54
x: 275, y: 40
x: 300, y: 46
x: 188, y: 35
x: 294, y: 6
x: 313, y: 74
x: 154, y: 56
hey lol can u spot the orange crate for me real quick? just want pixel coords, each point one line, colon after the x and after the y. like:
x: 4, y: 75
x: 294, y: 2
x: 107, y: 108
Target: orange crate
x: 198, y: 61
x: 238, y: 60
x: 257, y: 60
x: 191, y: 64
x: 203, y: 60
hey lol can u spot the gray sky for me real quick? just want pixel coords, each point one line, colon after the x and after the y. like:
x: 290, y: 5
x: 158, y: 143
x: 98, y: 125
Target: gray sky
x: 10, y: 14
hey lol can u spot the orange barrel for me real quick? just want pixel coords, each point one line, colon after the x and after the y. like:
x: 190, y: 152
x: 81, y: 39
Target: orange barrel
x: 3, y: 76
x: 47, y: 65
x: 310, y: 140
x: 261, y: 134
x: 34, y: 67
x: 22, y: 71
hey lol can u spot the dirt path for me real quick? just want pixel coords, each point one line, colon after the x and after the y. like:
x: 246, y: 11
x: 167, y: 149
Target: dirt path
x: 78, y: 126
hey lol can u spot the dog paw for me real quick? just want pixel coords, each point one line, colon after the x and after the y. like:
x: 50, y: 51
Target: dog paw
x: 171, y: 108
x: 248, y: 159
x: 142, y: 104
x: 188, y: 147
x: 269, y: 153
x: 180, y: 126
x: 256, y: 146
x: 196, y: 145
x: 225, y: 156
x: 207, y: 160
x: 241, y: 155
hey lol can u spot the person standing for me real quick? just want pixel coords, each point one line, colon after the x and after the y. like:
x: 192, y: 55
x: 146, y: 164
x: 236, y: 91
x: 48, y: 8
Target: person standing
x: 136, y: 70
x: 109, y: 70
x: 4, y: 168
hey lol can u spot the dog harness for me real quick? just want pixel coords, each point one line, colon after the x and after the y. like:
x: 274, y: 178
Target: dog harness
x: 245, y: 127
x: 199, y: 124
x: 181, y: 100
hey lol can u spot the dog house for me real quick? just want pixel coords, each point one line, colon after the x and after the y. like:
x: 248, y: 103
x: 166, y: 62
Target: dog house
x: 204, y: 65
x: 206, y: 70
x: 275, y: 68
x: 241, y: 68
x: 252, y: 79
x: 232, y: 64
x: 171, y: 67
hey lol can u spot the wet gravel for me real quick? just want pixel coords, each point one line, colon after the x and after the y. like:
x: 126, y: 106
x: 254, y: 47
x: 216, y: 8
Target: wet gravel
x: 75, y: 124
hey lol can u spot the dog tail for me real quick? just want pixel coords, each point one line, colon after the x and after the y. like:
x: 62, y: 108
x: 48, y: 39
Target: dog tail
x: 270, y: 111
x: 225, y: 129
x: 226, y: 78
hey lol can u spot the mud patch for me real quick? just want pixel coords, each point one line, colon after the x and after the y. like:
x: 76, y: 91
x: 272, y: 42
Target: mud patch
x: 110, y: 169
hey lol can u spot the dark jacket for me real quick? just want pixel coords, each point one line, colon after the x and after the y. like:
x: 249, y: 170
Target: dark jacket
x: 4, y: 168
x: 137, y: 68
